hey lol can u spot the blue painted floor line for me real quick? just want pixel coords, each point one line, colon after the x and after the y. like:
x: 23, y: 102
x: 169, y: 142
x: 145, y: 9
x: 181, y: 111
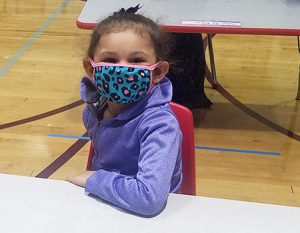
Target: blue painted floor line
x: 31, y: 40
x: 238, y: 151
x: 68, y: 136
x: 197, y: 147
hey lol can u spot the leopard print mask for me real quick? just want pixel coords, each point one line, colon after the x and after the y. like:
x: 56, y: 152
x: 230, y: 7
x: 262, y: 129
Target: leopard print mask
x: 123, y: 84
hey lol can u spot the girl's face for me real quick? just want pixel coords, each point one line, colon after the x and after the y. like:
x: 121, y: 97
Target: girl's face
x: 126, y: 48
x: 129, y: 48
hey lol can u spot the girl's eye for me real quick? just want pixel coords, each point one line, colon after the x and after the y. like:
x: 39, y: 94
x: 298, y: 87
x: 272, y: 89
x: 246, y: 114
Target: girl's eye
x: 137, y: 60
x: 109, y: 60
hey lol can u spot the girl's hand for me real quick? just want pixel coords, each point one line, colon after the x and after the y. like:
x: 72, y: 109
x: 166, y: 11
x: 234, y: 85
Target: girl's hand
x: 80, y: 179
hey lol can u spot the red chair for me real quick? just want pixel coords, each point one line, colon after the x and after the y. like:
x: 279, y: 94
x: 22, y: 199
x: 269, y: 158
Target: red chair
x: 186, y: 124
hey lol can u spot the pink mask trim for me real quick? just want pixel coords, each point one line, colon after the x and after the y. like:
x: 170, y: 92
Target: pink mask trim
x: 151, y: 67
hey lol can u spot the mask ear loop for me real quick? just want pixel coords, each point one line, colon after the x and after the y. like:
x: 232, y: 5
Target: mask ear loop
x: 152, y: 68
x: 94, y: 67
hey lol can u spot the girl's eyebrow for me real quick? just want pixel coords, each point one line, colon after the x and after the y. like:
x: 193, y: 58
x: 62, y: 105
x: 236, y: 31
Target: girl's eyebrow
x: 135, y: 53
x: 107, y: 53
x: 139, y: 53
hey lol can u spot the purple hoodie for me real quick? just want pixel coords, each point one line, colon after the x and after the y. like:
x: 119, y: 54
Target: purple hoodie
x: 137, y: 153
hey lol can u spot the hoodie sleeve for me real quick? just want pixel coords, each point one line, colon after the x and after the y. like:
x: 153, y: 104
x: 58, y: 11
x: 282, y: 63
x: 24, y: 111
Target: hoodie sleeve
x: 146, y: 194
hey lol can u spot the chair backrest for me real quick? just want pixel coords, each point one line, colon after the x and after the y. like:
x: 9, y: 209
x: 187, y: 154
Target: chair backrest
x: 186, y: 124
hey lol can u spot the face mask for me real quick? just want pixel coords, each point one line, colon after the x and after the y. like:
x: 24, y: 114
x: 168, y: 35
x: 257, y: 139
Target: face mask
x: 123, y: 84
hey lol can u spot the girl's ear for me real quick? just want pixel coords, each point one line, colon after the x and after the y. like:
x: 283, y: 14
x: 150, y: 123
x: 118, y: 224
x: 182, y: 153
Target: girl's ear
x: 160, y: 71
x: 88, y: 67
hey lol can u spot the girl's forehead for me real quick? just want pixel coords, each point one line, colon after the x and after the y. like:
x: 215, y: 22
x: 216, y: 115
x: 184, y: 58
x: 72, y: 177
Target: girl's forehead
x: 126, y: 38
x: 133, y: 33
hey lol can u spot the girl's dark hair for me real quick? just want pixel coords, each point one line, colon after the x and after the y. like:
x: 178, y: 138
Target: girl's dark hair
x: 124, y: 20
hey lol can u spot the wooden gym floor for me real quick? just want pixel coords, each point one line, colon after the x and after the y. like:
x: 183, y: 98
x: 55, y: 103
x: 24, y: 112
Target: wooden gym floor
x: 247, y: 143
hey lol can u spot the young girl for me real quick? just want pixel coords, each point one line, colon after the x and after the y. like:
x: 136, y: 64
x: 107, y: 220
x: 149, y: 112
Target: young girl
x: 135, y: 134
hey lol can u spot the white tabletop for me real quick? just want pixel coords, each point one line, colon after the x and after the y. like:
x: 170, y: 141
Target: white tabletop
x: 273, y: 17
x: 42, y: 205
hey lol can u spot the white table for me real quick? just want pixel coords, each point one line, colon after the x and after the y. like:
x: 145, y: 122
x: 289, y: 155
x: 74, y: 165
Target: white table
x: 272, y: 17
x: 256, y: 17
x: 34, y: 205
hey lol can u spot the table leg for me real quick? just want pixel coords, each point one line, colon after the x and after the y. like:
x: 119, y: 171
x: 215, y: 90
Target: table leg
x: 298, y: 94
x: 212, y: 60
